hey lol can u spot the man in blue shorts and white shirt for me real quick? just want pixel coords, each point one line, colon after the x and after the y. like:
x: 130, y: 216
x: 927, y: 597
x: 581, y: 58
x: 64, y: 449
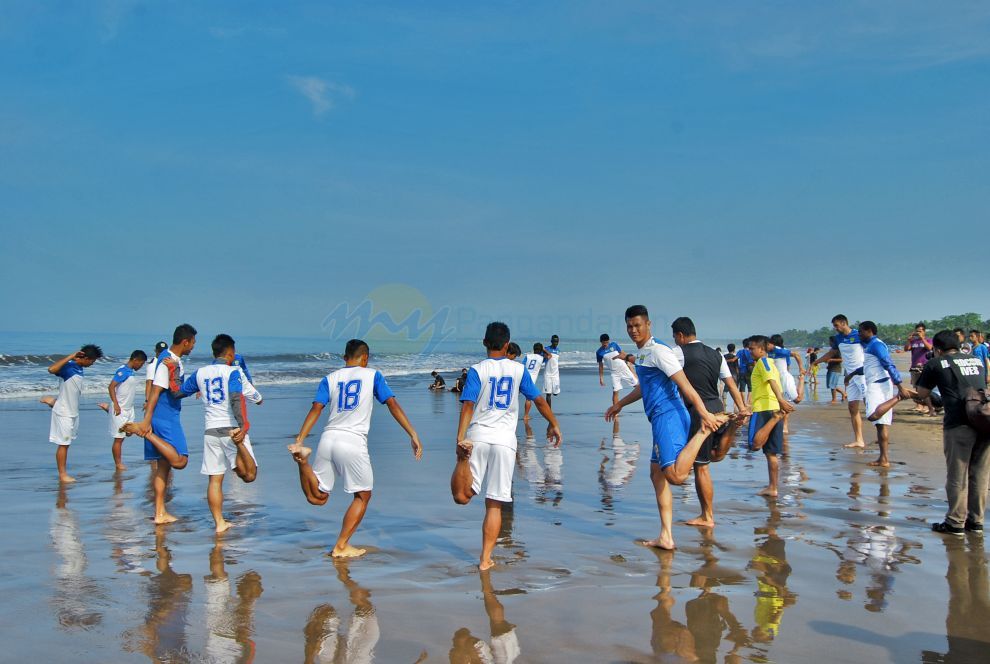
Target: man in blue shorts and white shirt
x: 662, y: 382
x: 65, y: 411
x: 486, y: 433
x: 845, y: 345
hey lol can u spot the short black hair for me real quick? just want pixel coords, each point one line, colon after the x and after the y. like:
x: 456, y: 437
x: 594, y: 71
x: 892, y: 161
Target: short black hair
x: 869, y: 325
x: 139, y: 355
x: 537, y: 347
x: 958, y: 329
x: 92, y: 351
x: 921, y: 325
x: 554, y: 338
x: 684, y: 325
x: 637, y: 310
x: 745, y: 342
x: 221, y: 343
x: 496, y: 335
x: 183, y: 332
x: 945, y: 340
x: 433, y: 373
x: 731, y: 347
x: 777, y: 340
x: 975, y: 332
x: 840, y: 318
x: 758, y: 340
x: 355, y: 348
x: 604, y: 337
x: 514, y: 349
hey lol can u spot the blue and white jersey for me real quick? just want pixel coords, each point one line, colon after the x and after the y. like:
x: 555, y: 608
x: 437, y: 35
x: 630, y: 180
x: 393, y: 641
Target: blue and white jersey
x: 745, y: 360
x: 70, y: 378
x: 553, y: 370
x: 781, y: 359
x: 126, y: 386
x: 169, y: 374
x: 217, y: 382
x: 494, y: 385
x: 611, y: 348
x: 612, y: 357
x: 655, y: 364
x: 980, y: 351
x: 877, y: 365
x: 239, y: 361
x: 533, y: 362
x: 348, y: 393
x: 850, y: 349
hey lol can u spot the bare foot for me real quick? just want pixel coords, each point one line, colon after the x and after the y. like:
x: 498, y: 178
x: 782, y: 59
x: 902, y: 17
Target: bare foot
x: 66, y: 479
x: 161, y: 520
x: 855, y: 445
x: 486, y: 565
x: 348, y: 552
x: 121, y: 467
x: 48, y: 401
x: 299, y: 452
x: 768, y: 491
x: 104, y: 406
x: 130, y: 428
x: 880, y: 463
x: 526, y: 417
x: 223, y: 526
x: 701, y: 521
x: 665, y: 542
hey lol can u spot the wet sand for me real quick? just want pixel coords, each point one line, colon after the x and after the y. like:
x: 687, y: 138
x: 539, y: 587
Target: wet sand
x: 841, y: 567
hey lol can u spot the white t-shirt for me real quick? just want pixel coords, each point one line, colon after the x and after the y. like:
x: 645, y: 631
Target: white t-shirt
x: 348, y: 393
x: 161, y: 371
x: 217, y: 382
x: 70, y: 378
x: 553, y: 371
x: 126, y: 386
x: 533, y: 362
x: 494, y: 385
x: 149, y: 373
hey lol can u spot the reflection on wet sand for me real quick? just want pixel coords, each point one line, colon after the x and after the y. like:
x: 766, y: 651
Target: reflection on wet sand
x: 546, y: 480
x: 617, y: 468
x: 163, y: 634
x: 503, y: 646
x: 324, y: 642
x: 770, y: 564
x: 74, y: 593
x: 669, y: 636
x: 229, y: 623
x: 969, y: 603
x: 122, y: 529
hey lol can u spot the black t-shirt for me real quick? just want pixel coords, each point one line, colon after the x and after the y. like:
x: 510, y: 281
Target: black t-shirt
x: 938, y: 373
x: 702, y: 365
x: 733, y: 366
x: 438, y: 381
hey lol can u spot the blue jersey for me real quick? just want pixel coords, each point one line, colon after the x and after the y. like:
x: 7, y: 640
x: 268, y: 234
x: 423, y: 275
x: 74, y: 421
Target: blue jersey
x: 980, y: 351
x: 780, y: 353
x: 168, y: 376
x: 877, y: 365
x: 655, y: 364
x: 849, y: 349
x: 240, y: 362
x: 602, y: 352
x: 745, y: 360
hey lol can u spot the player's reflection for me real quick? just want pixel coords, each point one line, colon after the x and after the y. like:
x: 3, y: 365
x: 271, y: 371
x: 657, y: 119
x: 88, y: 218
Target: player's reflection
x: 503, y: 646
x: 969, y: 603
x: 74, y: 593
x: 668, y: 636
x: 772, y: 571
x: 229, y: 621
x: 324, y: 642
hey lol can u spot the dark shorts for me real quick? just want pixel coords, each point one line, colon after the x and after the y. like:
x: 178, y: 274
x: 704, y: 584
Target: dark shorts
x: 170, y: 430
x: 744, y: 382
x: 705, y: 452
x: 775, y: 443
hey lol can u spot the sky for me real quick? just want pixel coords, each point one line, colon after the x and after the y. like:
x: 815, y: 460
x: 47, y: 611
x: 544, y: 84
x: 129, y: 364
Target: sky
x: 255, y: 166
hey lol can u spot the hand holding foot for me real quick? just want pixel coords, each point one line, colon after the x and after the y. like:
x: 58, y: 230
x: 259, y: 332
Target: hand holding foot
x: 237, y: 435
x: 299, y: 452
x: 464, y: 449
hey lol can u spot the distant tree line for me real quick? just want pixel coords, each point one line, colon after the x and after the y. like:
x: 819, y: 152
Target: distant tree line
x: 895, y: 334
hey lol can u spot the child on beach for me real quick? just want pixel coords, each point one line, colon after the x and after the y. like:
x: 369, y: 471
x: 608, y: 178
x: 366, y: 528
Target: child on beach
x: 486, y: 433
x: 120, y: 410
x: 65, y: 410
x: 343, y: 447
x: 226, y: 445
x: 766, y: 431
x: 164, y: 439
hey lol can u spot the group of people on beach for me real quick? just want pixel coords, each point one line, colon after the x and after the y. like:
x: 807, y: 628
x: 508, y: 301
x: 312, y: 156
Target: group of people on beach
x: 681, y: 386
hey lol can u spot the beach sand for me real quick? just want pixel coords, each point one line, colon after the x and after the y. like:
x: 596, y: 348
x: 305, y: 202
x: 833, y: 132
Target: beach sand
x: 842, y: 567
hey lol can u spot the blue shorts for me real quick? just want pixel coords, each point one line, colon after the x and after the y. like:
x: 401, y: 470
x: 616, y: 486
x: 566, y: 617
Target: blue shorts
x: 670, y: 435
x: 775, y: 443
x: 834, y: 380
x: 170, y: 430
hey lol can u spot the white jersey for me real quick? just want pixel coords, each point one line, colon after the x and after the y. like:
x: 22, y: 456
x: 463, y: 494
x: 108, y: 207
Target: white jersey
x: 849, y: 349
x: 217, y: 382
x: 348, y: 393
x: 553, y: 371
x: 149, y: 373
x: 161, y: 371
x: 70, y: 378
x: 533, y: 362
x: 126, y: 387
x: 494, y: 385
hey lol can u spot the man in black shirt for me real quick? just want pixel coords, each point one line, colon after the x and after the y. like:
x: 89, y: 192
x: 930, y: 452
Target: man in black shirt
x: 438, y: 382
x: 967, y: 450
x: 704, y: 367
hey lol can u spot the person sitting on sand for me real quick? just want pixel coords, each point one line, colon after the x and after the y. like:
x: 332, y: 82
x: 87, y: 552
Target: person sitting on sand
x: 486, y: 433
x: 766, y: 426
x: 662, y: 383
x: 65, y: 407
x: 438, y: 382
x: 343, y: 447
x: 459, y: 383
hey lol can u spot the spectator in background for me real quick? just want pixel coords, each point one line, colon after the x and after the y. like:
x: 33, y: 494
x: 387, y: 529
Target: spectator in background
x: 834, y: 379
x: 964, y: 346
x: 438, y: 382
x: 980, y: 349
x: 920, y: 347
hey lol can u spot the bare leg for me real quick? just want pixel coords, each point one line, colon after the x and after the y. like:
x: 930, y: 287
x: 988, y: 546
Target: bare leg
x: 307, y: 478
x: 116, y: 450
x: 787, y: 423
x: 724, y: 442
x: 763, y: 434
x: 489, y: 532
x: 857, y: 426
x: 165, y: 448
x: 245, y: 466
x: 679, y: 471
x: 61, y: 456
x: 462, y: 479
x: 162, y: 471
x: 529, y: 404
x: 706, y: 496
x: 773, y: 470
x: 883, y: 408
x: 665, y: 505
x: 214, y: 498
x: 352, y: 519
x: 883, y: 440
x: 104, y: 406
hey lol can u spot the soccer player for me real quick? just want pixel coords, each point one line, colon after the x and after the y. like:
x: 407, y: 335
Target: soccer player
x: 845, y: 345
x: 150, y: 372
x: 705, y: 369
x: 164, y: 439
x: 514, y: 351
x: 766, y: 431
x: 486, y: 433
x: 745, y: 362
x: 551, y: 377
x: 622, y: 377
x: 226, y: 445
x: 343, y: 447
x: 65, y: 411
x: 793, y: 390
x: 122, y: 387
x: 878, y: 372
x: 662, y: 382
x: 534, y: 362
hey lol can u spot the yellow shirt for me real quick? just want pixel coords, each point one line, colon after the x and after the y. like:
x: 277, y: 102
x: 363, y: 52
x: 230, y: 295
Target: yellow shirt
x: 763, y: 397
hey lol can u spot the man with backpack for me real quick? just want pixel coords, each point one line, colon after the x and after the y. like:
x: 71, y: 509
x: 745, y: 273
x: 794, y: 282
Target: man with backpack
x: 960, y: 379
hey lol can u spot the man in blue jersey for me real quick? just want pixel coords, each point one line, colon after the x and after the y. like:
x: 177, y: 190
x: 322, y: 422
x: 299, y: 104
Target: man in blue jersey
x: 744, y: 360
x: 846, y: 346
x: 662, y: 383
x: 65, y: 409
x: 880, y: 377
x: 622, y: 377
x: 980, y: 348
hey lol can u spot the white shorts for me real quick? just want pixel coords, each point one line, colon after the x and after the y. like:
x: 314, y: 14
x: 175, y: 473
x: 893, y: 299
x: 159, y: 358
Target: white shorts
x: 117, y: 421
x: 492, y: 465
x: 789, y: 390
x: 220, y: 452
x: 345, y: 454
x: 856, y: 389
x: 64, y: 429
x: 876, y: 394
x: 551, y: 385
x: 622, y: 381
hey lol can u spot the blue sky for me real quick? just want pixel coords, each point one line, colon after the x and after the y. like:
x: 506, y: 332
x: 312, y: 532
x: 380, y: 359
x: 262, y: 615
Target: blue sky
x: 252, y: 165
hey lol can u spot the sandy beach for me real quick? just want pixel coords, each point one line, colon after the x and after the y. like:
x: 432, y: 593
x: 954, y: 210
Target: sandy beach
x: 841, y: 567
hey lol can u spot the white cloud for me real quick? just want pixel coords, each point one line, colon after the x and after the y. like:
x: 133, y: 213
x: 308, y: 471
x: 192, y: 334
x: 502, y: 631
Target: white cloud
x: 321, y: 93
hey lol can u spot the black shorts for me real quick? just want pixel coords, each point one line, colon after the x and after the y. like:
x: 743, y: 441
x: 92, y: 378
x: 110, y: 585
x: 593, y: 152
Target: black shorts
x: 775, y: 443
x: 744, y: 382
x: 705, y: 451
